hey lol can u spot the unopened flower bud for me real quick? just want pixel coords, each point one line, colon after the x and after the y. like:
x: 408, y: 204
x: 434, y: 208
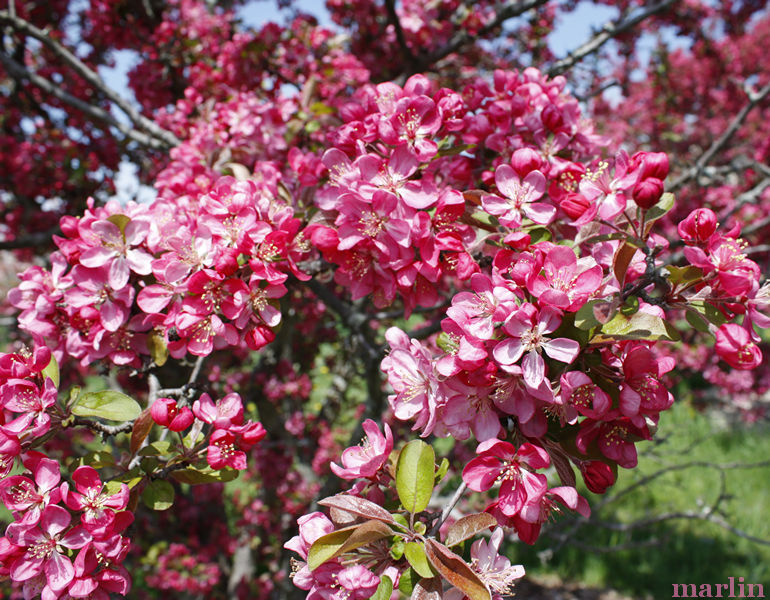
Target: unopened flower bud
x: 653, y: 164
x: 699, y: 226
x: 575, y: 205
x: 526, y: 160
x: 647, y: 192
x: 597, y: 475
x: 552, y: 117
x: 166, y: 412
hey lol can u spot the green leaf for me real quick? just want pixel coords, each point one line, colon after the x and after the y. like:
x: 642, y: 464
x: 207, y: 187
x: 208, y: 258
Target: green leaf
x: 684, y: 275
x: 192, y: 476
x: 442, y: 470
x: 120, y: 221
x: 343, y: 540
x: 359, y: 507
x: 696, y: 320
x: 52, y: 370
x: 407, y: 581
x: 158, y: 448
x: 108, y: 404
x: 640, y: 326
x: 415, y: 554
x: 708, y: 311
x: 594, y: 313
x: 665, y: 204
x: 384, y: 590
x: 98, y: 460
x: 158, y: 349
x: 539, y: 234
x: 113, y: 487
x: 415, y: 475
x: 158, y: 495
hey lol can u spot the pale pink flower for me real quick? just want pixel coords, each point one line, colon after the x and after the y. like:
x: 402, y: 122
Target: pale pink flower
x: 368, y: 458
x: 527, y: 329
x: 520, y: 197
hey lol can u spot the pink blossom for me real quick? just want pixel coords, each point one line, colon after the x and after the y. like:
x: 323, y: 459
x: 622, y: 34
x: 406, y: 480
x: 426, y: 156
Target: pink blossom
x: 167, y: 413
x: 223, y: 452
x: 735, y: 346
x: 519, y: 197
x: 117, y: 251
x: 22, y: 494
x: 501, y: 462
x: 98, y: 506
x: 566, y: 282
x: 527, y: 329
x: 226, y: 413
x: 43, y: 552
x: 368, y: 458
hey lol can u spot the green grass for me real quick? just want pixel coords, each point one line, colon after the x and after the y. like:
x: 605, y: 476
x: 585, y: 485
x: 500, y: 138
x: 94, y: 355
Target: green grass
x: 688, y: 550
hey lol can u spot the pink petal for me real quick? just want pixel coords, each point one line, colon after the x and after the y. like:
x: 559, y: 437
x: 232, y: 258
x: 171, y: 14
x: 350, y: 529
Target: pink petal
x: 533, y: 369
x: 562, y: 349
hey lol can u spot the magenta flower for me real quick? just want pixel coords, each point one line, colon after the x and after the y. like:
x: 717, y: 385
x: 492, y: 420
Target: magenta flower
x: 415, y: 120
x: 118, y: 252
x: 642, y: 391
x: 22, y: 494
x: 735, y: 346
x: 607, y: 193
x: 500, y: 462
x: 565, y: 283
x: 368, y: 458
x: 527, y: 329
x: 615, y: 439
x: 98, y: 507
x: 167, y: 413
x: 580, y: 392
x: 222, y: 451
x: 23, y: 396
x: 43, y: 552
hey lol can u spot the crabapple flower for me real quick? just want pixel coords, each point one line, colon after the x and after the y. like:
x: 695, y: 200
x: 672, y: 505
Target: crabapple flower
x: 43, y: 552
x: 226, y: 413
x: 222, y: 451
x: 598, y: 475
x: 22, y: 494
x: 166, y: 413
x: 735, y: 346
x: 698, y: 227
x: 368, y: 458
x: 494, y: 570
x: 501, y: 462
x: 98, y: 506
x: 519, y: 197
x: 527, y: 328
x: 566, y: 283
x: 118, y: 252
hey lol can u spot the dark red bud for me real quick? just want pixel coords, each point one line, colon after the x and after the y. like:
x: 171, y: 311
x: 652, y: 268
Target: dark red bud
x: 647, y: 192
x: 597, y: 475
x: 574, y: 205
x: 699, y: 226
x: 552, y: 117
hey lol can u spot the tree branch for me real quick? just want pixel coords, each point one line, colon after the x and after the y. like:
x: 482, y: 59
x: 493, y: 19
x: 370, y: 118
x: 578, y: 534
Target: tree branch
x: 722, y: 140
x: 93, y: 112
x: 164, y: 137
x: 609, y: 31
x: 510, y: 10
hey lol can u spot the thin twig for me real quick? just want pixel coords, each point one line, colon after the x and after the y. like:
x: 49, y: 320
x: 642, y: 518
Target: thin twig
x: 722, y: 140
x: 93, y: 112
x: 463, y: 37
x: 609, y: 31
x: 166, y: 138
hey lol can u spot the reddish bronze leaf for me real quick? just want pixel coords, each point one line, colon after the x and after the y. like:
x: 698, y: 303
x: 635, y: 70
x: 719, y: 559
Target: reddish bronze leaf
x: 456, y: 571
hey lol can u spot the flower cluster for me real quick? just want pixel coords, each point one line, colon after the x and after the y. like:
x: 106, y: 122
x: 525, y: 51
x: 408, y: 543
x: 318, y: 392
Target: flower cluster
x: 38, y: 545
